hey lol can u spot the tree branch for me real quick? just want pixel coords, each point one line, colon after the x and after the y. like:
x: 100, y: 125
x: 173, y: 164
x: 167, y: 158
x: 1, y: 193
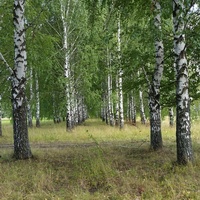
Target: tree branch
x: 5, y: 62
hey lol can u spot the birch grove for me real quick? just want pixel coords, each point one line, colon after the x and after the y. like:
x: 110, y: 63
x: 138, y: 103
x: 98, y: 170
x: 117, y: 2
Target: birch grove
x: 87, y: 57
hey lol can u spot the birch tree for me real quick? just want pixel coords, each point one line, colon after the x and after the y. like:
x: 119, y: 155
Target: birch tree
x: 154, y: 91
x: 22, y: 148
x: 64, y: 16
x: 120, y: 74
x: 171, y: 117
x: 183, y: 132
x: 109, y: 83
x: 29, y: 102
x: 117, y: 102
x: 37, y: 101
x: 131, y: 108
x: 142, y: 113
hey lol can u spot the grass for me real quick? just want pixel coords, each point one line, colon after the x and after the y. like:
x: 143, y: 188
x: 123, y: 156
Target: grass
x: 124, y: 169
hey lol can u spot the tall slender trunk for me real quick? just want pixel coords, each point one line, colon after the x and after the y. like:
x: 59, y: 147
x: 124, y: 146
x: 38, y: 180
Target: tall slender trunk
x: 120, y: 74
x: 84, y: 108
x: 109, y: 84
x: 117, y: 103
x: 29, y: 107
x: 171, y: 117
x: 133, y: 109
x: 72, y: 104
x: 64, y: 15
x: 183, y: 133
x: 142, y: 113
x: 128, y: 110
x: 22, y: 148
x: 76, y: 109
x: 103, y: 108
x: 154, y: 91
x: 37, y: 101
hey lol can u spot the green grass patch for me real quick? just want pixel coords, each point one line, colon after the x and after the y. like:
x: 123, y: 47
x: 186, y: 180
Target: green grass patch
x: 117, y: 166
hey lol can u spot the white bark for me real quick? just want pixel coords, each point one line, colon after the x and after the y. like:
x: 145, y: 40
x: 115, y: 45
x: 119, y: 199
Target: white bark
x: 18, y: 77
x: 109, y: 84
x: 183, y: 133
x: 76, y: 110
x: 142, y: 113
x: 64, y: 15
x: 117, y: 103
x: 133, y: 109
x: 154, y: 91
x: 80, y: 110
x: 128, y: 111
x: 29, y: 107
x: 120, y: 74
x: 37, y: 101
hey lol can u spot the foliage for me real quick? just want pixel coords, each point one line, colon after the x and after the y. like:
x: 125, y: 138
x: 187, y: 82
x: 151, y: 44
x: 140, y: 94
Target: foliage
x: 93, y: 26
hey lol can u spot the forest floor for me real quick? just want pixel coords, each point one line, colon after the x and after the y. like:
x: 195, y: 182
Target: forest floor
x: 96, y: 162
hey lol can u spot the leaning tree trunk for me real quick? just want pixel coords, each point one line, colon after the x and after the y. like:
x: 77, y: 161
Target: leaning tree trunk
x: 21, y: 142
x: 154, y: 91
x: 183, y: 133
x: 120, y: 74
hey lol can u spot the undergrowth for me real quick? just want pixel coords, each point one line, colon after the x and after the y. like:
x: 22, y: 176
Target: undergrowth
x: 122, y: 169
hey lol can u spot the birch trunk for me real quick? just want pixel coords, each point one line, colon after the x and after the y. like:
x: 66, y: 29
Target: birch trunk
x: 37, y: 101
x: 183, y: 133
x: 80, y: 110
x: 22, y: 148
x: 142, y: 113
x: 72, y: 105
x: 29, y: 107
x: 103, y: 108
x: 109, y: 83
x: 133, y: 109
x: 120, y: 74
x: 154, y: 92
x: 171, y: 117
x: 76, y: 110
x: 84, y: 108
x: 64, y: 15
x: 117, y: 103
x: 128, y: 110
